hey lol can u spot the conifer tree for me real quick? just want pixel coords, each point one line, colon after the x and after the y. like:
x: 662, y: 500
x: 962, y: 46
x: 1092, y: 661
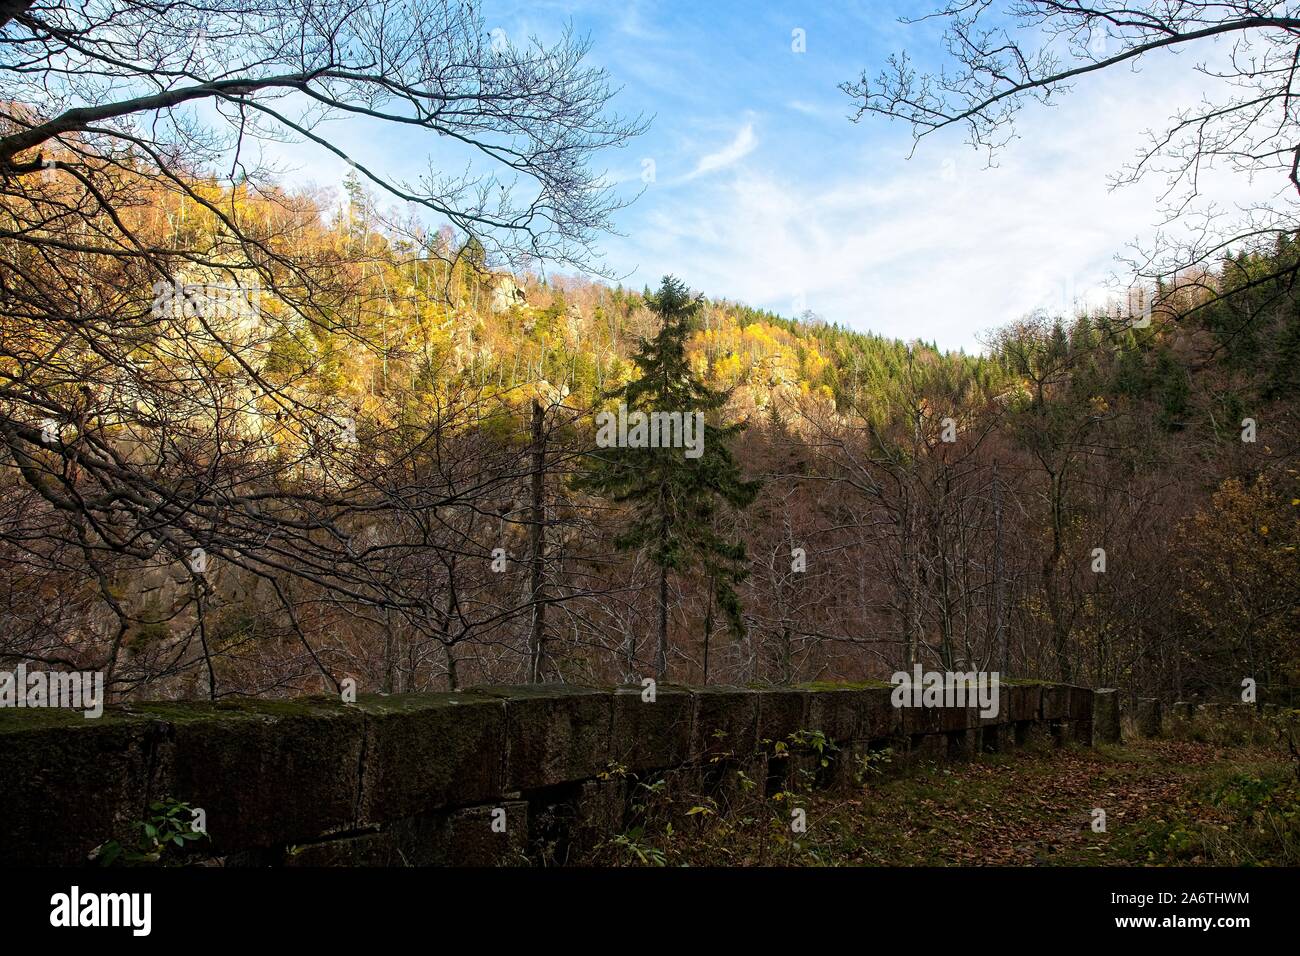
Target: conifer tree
x: 675, y: 499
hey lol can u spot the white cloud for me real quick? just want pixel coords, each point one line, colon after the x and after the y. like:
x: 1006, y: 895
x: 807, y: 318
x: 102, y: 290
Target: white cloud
x: 741, y: 146
x: 836, y: 112
x: 937, y: 247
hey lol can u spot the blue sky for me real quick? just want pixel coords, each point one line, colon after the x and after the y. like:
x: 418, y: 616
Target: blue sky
x: 764, y: 192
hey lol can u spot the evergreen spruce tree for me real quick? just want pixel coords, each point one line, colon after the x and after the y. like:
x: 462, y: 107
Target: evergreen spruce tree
x: 675, y: 500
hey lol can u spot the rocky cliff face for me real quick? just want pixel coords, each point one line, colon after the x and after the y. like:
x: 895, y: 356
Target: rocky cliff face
x: 506, y: 294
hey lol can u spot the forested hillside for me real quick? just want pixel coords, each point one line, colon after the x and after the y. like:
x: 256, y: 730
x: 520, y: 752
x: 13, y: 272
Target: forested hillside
x: 331, y: 444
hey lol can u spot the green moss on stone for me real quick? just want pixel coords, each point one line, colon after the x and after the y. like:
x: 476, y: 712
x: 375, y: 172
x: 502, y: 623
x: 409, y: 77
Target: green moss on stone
x: 836, y: 685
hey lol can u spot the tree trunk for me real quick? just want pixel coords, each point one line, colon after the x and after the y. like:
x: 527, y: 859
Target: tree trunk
x: 708, y: 631
x: 390, y: 659
x: 1051, y: 583
x: 453, y: 679
x: 999, y: 629
x: 661, y: 656
x: 537, y: 534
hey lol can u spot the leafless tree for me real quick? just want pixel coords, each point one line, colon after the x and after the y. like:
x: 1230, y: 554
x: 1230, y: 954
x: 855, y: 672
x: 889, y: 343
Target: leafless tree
x: 1003, y: 55
x: 146, y: 405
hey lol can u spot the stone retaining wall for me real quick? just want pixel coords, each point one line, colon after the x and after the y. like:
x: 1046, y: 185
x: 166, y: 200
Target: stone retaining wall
x: 472, y: 778
x: 1229, y: 723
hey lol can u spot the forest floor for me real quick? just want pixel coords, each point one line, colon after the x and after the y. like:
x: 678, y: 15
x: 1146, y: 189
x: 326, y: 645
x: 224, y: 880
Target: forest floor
x: 1166, y: 802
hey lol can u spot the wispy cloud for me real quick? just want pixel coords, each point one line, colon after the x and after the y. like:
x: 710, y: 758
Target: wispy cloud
x: 755, y: 186
x: 939, y: 247
x: 741, y: 146
x: 837, y: 112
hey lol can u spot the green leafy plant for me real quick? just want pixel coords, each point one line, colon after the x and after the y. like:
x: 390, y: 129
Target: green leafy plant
x: 167, y: 831
x: 643, y: 853
x: 872, y: 764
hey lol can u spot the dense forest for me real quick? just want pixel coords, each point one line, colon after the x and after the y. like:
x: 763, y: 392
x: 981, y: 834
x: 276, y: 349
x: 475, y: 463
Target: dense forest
x: 260, y: 438
x: 370, y: 455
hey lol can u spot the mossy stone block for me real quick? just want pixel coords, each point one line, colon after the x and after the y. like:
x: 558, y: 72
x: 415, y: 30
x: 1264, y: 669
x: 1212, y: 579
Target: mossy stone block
x: 1106, y: 723
x: 71, y: 782
x: 1055, y: 702
x: 1021, y: 701
x: 555, y: 733
x: 1081, y: 704
x: 836, y: 711
x: 1149, y: 717
x: 491, y: 835
x: 266, y: 772
x: 928, y: 748
x: 726, y: 722
x: 938, y: 720
x: 651, y: 734
x: 425, y: 752
x: 880, y: 718
x: 1081, y: 732
x: 781, y: 712
x: 599, y: 813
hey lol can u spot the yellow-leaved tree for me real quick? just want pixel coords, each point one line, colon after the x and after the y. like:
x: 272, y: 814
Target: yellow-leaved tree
x: 1239, y: 597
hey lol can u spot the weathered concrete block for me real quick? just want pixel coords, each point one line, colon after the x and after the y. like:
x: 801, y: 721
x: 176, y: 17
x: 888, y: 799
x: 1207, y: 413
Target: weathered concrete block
x: 416, y: 779
x: 1243, y: 712
x: 494, y: 834
x: 938, y: 720
x: 726, y: 722
x: 1021, y: 701
x: 835, y: 711
x: 1055, y: 702
x: 651, y: 735
x: 733, y: 782
x: 926, y: 709
x: 992, y: 738
x: 854, y: 712
x: 682, y: 788
x: 1001, y: 705
x: 555, y: 733
x: 489, y: 835
x: 1106, y: 725
x: 1062, y: 731
x: 473, y: 836
x: 1149, y: 717
x: 880, y: 718
x: 1006, y: 737
x: 781, y: 712
x: 70, y: 783
x: 425, y: 752
x: 954, y: 719
x: 1080, y: 703
x: 266, y: 772
x: 863, y: 761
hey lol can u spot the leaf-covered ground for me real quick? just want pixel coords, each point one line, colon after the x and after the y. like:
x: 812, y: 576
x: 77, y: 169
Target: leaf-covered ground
x: 1165, y: 802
